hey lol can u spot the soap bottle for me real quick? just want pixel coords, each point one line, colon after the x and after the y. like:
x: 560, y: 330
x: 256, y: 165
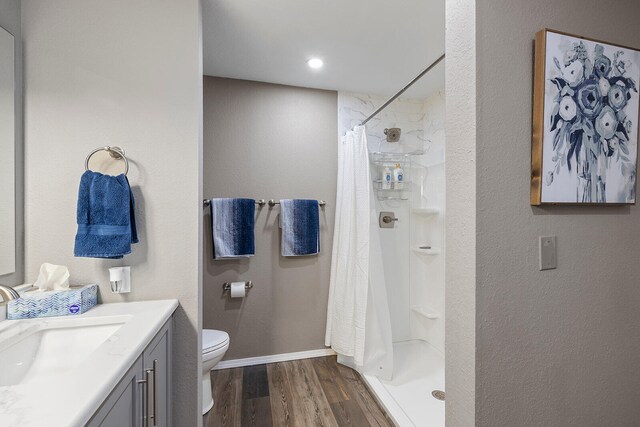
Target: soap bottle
x: 386, y: 178
x: 398, y: 177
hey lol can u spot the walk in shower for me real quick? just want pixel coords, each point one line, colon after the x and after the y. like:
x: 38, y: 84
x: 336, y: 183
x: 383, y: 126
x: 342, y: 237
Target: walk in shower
x: 407, y: 254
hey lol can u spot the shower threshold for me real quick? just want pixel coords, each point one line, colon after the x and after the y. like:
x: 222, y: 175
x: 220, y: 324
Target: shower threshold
x: 407, y: 398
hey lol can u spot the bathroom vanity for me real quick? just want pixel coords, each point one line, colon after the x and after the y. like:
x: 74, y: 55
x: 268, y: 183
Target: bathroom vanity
x: 142, y: 397
x: 108, y: 367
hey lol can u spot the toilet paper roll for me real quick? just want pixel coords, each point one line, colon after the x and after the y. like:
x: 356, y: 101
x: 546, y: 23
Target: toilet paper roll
x: 237, y: 290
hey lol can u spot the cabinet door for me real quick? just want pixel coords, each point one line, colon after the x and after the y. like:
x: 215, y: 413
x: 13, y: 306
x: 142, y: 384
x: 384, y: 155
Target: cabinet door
x: 122, y: 407
x: 157, y: 362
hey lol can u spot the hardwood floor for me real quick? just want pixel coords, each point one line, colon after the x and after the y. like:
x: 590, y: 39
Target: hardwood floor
x: 299, y: 393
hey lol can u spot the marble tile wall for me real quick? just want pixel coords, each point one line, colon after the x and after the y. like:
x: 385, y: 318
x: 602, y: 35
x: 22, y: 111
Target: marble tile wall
x: 411, y: 279
x: 407, y: 114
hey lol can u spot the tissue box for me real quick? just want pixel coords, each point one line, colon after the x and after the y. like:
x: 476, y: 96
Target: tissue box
x: 76, y: 300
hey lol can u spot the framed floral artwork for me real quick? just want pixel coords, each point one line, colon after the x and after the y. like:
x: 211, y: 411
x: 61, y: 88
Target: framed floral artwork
x: 585, y: 121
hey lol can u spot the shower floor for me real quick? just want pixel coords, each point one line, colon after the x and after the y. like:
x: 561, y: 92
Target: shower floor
x: 418, y: 370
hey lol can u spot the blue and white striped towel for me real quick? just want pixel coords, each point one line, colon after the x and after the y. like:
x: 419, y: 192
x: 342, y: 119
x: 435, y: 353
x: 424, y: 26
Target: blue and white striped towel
x: 300, y: 222
x: 232, y: 227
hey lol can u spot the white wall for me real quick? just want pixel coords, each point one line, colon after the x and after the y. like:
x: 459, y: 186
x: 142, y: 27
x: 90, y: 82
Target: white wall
x: 10, y: 21
x: 427, y: 271
x: 394, y: 251
x: 411, y: 279
x: 558, y: 347
x: 123, y: 73
x: 460, y: 158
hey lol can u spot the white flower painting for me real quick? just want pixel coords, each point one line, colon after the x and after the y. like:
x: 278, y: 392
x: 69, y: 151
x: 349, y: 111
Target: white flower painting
x: 590, y: 130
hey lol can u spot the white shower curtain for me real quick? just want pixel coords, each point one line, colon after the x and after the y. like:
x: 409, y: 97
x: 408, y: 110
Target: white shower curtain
x: 358, y: 325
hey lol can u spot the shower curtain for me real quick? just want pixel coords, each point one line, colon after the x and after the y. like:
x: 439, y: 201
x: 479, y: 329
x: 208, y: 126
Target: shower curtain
x: 358, y: 324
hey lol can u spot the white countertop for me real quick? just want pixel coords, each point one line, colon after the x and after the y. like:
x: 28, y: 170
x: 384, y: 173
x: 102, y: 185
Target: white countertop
x: 72, y: 399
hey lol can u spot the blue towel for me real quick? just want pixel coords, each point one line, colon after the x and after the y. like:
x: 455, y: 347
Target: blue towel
x: 106, y: 221
x: 300, y: 222
x: 232, y: 224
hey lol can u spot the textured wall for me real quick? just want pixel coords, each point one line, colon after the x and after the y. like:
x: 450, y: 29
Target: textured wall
x: 10, y: 21
x: 559, y: 347
x: 460, y: 160
x: 123, y: 73
x: 269, y: 141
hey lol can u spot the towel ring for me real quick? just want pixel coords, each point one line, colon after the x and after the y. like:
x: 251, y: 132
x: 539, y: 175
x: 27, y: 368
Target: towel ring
x: 115, y: 152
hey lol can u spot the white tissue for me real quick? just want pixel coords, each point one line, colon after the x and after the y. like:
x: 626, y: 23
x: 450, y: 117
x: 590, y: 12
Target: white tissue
x: 52, y: 277
x: 237, y: 290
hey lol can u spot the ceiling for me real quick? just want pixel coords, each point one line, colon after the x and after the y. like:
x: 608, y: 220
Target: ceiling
x: 370, y: 46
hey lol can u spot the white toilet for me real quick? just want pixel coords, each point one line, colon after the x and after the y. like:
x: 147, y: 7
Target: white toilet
x: 214, y: 346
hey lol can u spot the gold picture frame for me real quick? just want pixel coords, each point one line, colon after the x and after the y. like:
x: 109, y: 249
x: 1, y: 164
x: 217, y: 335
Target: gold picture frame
x: 585, y: 128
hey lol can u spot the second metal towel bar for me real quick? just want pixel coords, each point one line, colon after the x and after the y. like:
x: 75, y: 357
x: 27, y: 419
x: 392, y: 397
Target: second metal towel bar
x: 274, y: 202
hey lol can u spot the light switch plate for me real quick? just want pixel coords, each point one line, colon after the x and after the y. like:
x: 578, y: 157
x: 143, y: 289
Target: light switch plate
x: 547, y: 252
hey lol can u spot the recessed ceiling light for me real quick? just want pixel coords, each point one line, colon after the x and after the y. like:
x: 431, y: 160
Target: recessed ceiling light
x: 315, y: 63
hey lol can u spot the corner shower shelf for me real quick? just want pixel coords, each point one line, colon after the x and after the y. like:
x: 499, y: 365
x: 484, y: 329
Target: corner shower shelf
x: 378, y: 185
x: 425, y: 311
x: 425, y: 211
x: 391, y: 193
x: 425, y: 250
x: 383, y: 198
x: 381, y: 158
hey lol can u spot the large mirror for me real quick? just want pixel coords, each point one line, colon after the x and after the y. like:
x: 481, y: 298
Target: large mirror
x: 7, y: 155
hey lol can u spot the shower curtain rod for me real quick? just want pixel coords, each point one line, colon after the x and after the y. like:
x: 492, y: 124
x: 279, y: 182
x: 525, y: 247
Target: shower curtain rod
x: 393, y: 98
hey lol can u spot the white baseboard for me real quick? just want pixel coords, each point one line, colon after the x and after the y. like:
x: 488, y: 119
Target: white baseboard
x: 250, y: 361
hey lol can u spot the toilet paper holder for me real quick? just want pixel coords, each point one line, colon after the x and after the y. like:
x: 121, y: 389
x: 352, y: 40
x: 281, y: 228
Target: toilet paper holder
x: 227, y: 286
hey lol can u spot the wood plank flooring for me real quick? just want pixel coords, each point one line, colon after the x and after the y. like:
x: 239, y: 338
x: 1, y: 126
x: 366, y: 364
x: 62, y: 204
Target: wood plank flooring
x: 299, y: 393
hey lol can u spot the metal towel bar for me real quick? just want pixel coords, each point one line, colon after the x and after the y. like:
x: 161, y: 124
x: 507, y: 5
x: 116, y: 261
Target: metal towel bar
x: 259, y: 202
x: 274, y: 202
x: 262, y: 202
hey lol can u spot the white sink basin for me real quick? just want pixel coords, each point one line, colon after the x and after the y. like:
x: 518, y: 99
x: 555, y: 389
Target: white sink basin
x: 41, y: 348
x: 57, y: 371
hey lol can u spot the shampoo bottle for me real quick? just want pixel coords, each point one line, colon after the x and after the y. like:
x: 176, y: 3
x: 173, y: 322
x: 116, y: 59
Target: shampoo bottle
x: 386, y: 178
x: 398, y: 177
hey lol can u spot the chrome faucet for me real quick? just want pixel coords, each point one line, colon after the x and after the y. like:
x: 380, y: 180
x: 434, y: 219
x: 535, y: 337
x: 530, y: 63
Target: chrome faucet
x: 8, y: 293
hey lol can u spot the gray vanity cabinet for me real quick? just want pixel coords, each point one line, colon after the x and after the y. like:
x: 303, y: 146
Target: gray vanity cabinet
x: 143, y: 397
x: 122, y: 407
x: 157, y: 366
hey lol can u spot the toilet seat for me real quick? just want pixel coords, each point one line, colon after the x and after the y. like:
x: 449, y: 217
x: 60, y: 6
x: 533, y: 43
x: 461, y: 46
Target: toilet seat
x: 213, y: 340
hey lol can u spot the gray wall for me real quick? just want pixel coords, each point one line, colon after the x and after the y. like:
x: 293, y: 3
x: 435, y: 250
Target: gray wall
x: 123, y: 73
x: 10, y: 21
x: 269, y: 141
x: 560, y: 347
